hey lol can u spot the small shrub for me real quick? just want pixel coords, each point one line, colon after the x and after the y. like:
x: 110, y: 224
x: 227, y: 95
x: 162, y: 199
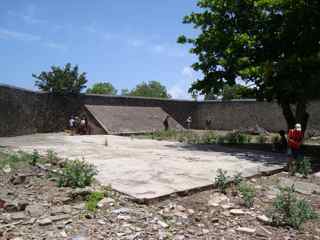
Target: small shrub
x: 303, y: 166
x: 237, y: 138
x: 92, y: 201
x: 237, y: 179
x: 221, y: 180
x: 35, y: 157
x: 52, y: 157
x: 287, y: 209
x: 221, y: 140
x: 262, y: 139
x: 275, y: 139
x: 76, y: 173
x: 16, y: 160
x: 209, y: 138
x: 247, y: 193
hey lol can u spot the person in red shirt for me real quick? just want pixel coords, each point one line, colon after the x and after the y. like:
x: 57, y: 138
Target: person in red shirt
x: 295, y: 138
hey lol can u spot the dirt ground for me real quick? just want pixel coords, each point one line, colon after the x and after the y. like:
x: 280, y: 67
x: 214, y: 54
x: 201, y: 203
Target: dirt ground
x: 35, y: 208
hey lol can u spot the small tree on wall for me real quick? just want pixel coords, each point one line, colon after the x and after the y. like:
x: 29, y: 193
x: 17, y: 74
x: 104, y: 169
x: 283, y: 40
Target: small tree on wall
x: 103, y: 88
x: 66, y: 80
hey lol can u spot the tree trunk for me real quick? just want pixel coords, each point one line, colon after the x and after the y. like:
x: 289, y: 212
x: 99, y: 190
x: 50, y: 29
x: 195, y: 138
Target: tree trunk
x: 288, y: 114
x: 301, y: 115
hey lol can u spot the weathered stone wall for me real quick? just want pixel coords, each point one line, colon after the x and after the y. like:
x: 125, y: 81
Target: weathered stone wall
x: 238, y: 114
x: 26, y: 112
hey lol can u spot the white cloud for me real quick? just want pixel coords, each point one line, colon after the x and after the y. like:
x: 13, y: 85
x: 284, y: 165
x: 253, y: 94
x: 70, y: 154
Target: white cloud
x: 11, y: 34
x: 136, y: 42
x: 28, y: 15
x: 189, y: 73
x: 158, y: 48
x: 55, y: 45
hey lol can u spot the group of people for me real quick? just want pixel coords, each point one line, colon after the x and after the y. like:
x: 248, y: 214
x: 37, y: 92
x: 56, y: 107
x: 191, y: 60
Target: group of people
x: 166, y: 122
x: 79, y: 125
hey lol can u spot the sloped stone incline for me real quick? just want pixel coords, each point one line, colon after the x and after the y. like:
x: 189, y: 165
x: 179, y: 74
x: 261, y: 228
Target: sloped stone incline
x: 130, y: 119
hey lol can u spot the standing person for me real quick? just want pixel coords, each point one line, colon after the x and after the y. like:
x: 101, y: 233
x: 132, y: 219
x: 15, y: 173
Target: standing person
x: 189, y: 121
x: 295, y: 138
x: 166, y: 123
x: 82, y: 128
x: 72, y: 125
x: 77, y: 124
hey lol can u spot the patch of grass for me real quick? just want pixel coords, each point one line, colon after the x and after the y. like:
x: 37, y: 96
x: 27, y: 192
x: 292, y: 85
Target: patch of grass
x: 221, y: 180
x: 235, y: 138
x: 262, y: 138
x: 304, y: 166
x: 287, y: 209
x: 15, y: 160
x: 52, y: 157
x: 77, y: 173
x: 209, y: 138
x: 247, y: 193
x: 237, y: 179
x: 92, y: 201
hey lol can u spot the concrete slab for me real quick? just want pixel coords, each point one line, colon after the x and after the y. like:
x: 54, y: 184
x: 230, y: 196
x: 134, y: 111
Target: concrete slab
x: 147, y: 169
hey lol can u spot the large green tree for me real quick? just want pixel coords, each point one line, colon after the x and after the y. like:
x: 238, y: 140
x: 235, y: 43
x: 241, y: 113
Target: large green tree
x: 66, y: 80
x: 150, y: 89
x: 103, y: 88
x: 272, y: 44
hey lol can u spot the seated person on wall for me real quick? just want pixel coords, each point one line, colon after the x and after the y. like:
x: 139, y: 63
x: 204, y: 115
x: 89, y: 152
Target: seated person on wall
x: 295, y: 138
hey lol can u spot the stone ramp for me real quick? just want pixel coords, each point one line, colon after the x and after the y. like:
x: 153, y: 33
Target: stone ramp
x: 130, y: 119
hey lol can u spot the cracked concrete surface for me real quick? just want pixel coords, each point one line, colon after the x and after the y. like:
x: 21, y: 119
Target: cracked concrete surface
x: 147, y: 169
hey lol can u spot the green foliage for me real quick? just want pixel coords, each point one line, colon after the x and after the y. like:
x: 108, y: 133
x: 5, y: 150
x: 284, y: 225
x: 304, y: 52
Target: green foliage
x: 34, y: 157
x: 236, y: 138
x: 262, y: 138
x: 221, y: 180
x: 209, y: 138
x: 303, y: 166
x: 237, y: 179
x: 15, y: 160
x: 65, y: 80
x: 52, y: 157
x: 103, y: 88
x: 237, y: 92
x: 76, y: 173
x: 92, y: 201
x: 287, y: 209
x: 272, y: 45
x: 247, y: 193
x: 152, y: 89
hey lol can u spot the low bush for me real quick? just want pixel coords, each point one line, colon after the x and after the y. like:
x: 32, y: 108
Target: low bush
x: 221, y: 180
x: 247, y: 193
x: 237, y: 179
x: 287, y: 209
x: 303, y: 166
x: 92, y: 201
x: 209, y: 138
x: 52, y: 157
x: 76, y: 173
x: 262, y: 138
x: 236, y: 138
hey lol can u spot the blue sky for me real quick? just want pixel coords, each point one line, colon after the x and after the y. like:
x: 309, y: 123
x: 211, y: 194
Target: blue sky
x: 123, y: 42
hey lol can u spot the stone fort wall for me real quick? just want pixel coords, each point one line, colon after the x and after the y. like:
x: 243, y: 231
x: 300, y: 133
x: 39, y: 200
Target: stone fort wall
x: 26, y: 112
